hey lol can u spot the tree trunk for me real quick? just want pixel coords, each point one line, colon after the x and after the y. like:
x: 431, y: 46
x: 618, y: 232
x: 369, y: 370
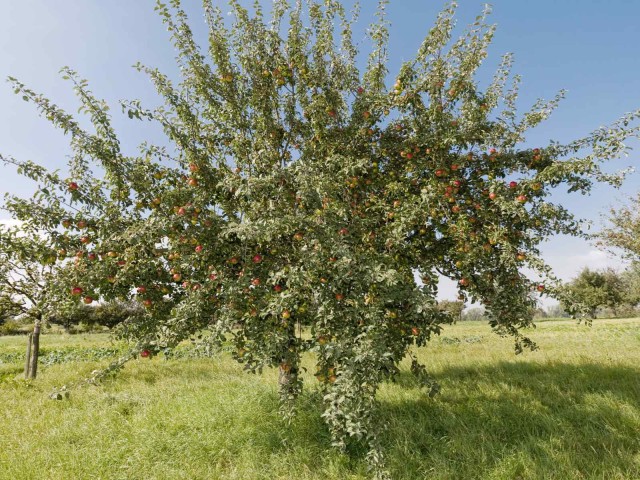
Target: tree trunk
x: 35, y: 348
x: 286, y: 376
x: 27, y: 361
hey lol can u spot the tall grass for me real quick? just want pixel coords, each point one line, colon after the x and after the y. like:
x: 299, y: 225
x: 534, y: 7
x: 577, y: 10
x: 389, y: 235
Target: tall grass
x: 568, y: 411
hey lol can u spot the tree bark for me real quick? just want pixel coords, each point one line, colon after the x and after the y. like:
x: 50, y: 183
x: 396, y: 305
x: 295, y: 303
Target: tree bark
x: 27, y: 361
x: 287, y: 375
x: 35, y: 348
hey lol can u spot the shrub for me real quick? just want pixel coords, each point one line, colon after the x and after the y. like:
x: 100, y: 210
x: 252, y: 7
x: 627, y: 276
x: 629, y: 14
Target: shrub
x: 11, y: 327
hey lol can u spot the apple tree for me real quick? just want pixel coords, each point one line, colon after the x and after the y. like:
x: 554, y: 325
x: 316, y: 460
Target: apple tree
x: 302, y: 184
x: 29, y: 276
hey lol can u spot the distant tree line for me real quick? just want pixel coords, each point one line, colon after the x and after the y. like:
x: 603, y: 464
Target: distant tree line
x: 79, y: 319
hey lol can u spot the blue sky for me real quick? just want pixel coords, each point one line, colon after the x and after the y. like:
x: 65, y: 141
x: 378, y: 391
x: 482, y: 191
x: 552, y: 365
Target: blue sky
x: 588, y: 47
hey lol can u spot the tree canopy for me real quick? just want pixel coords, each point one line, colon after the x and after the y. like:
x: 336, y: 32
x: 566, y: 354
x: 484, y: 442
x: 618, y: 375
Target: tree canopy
x: 299, y: 187
x: 623, y: 233
x: 28, y: 272
x: 593, y: 289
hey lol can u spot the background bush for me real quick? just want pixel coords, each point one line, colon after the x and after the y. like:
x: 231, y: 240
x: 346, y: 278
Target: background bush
x: 13, y: 327
x: 88, y: 317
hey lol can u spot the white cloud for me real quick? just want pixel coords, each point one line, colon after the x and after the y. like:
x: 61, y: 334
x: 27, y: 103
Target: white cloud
x: 567, y: 267
x: 568, y: 256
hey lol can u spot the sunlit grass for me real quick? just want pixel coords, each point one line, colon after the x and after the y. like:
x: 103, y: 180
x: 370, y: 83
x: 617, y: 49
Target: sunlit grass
x: 568, y: 411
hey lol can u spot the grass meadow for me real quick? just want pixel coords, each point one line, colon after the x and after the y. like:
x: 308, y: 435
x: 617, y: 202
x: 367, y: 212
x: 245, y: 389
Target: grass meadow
x: 570, y: 410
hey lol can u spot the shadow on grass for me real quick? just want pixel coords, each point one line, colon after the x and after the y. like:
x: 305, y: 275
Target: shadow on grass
x: 520, y: 420
x: 509, y: 420
x: 504, y: 421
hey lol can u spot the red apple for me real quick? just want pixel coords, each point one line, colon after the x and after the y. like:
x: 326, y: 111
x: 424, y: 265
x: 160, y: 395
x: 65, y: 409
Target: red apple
x: 277, y: 288
x: 298, y: 237
x: 181, y: 211
x: 145, y: 353
x: 92, y: 256
x: 147, y: 303
x: 286, y: 314
x: 521, y: 198
x: 360, y: 90
x: 199, y: 248
x: 339, y: 297
x: 85, y: 239
x: 141, y: 289
x: 464, y: 282
x: 255, y: 282
x: 176, y: 277
x: 233, y: 260
x: 540, y: 288
x: 343, y: 231
x: 257, y: 258
x: 87, y: 300
x: 513, y: 184
x: 66, y: 223
x: 193, y: 182
x: 193, y: 167
x: 72, y: 186
x: 76, y: 291
x: 493, y: 195
x: 82, y: 224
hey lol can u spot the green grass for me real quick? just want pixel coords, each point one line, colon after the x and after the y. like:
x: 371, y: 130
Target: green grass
x: 568, y: 411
